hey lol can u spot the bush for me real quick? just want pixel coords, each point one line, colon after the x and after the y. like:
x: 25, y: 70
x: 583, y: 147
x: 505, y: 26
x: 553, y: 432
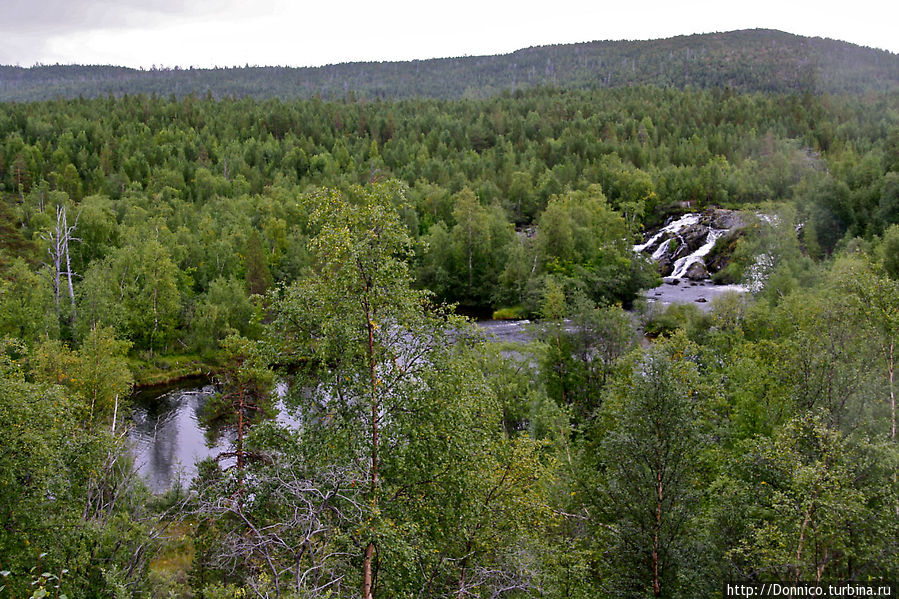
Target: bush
x: 516, y: 312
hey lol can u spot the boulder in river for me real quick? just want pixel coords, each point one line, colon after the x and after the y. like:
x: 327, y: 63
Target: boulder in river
x: 697, y: 272
x: 726, y: 219
x: 665, y: 263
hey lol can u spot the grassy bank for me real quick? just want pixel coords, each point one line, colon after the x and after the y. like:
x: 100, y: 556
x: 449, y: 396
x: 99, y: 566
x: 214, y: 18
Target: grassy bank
x: 155, y: 370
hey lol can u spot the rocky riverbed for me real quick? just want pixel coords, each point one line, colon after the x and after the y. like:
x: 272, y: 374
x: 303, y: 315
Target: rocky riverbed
x: 681, y: 246
x: 689, y: 249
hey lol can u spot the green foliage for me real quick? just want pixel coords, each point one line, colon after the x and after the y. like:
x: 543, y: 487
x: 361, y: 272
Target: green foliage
x: 650, y: 454
x: 581, y: 239
x: 223, y: 310
x: 101, y: 375
x: 206, y: 178
x: 97, y: 372
x: 68, y: 498
x: 245, y: 384
x: 509, y: 313
x: 666, y: 320
x: 135, y: 291
x: 411, y: 419
x: 26, y: 304
x: 465, y: 469
x: 874, y: 302
x: 97, y: 231
x: 578, y: 355
x: 890, y: 252
x: 809, y: 486
x: 258, y: 275
x: 465, y: 261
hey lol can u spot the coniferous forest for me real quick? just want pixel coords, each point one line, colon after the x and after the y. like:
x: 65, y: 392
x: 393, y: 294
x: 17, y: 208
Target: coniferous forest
x: 326, y: 257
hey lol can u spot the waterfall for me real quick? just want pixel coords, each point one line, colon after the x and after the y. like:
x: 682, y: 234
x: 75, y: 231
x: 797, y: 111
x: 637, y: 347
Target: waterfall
x: 673, y: 227
x: 683, y: 264
x: 660, y: 251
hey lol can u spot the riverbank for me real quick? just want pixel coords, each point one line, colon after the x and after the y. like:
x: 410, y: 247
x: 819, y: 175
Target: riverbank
x: 171, y: 369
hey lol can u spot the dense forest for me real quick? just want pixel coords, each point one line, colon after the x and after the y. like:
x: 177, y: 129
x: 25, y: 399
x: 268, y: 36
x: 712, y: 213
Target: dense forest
x: 745, y: 61
x: 329, y: 246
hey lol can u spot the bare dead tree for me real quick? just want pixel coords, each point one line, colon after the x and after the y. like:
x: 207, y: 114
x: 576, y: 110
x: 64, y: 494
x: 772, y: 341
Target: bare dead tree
x: 516, y: 573
x: 59, y: 238
x: 285, y: 529
x: 114, y: 489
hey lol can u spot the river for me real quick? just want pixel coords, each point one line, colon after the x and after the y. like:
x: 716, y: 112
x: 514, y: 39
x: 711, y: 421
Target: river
x: 169, y: 439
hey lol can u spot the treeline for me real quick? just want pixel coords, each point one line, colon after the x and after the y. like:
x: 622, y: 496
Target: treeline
x: 746, y: 61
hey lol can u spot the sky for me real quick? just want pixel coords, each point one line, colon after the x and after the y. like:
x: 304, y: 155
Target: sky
x: 207, y: 33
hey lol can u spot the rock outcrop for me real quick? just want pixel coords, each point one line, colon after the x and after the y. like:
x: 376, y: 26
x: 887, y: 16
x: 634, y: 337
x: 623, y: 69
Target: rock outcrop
x: 697, y: 271
x: 681, y: 246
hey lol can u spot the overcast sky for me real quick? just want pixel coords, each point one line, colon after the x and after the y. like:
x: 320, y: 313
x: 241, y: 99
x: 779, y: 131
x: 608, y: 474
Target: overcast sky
x: 204, y: 33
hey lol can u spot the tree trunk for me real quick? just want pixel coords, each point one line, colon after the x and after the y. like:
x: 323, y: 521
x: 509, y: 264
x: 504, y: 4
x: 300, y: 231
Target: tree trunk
x: 367, y: 578
x: 69, y: 266
x: 470, y: 234
x: 55, y: 254
x: 656, y: 582
x: 366, y: 572
x: 892, y: 394
x: 893, y: 410
x: 59, y: 240
x: 240, y: 456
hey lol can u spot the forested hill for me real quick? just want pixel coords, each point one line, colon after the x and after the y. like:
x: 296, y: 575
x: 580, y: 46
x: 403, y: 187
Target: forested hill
x: 750, y: 60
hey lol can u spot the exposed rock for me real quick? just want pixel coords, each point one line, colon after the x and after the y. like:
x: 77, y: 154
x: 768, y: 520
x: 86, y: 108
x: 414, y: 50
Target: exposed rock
x: 652, y: 247
x: 726, y: 219
x: 691, y: 238
x: 701, y: 300
x: 724, y: 248
x: 528, y: 232
x: 684, y: 235
x: 666, y: 264
x: 672, y: 281
x: 697, y: 272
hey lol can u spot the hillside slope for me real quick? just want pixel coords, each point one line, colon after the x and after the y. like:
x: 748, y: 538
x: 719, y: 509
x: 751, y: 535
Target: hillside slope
x: 750, y: 60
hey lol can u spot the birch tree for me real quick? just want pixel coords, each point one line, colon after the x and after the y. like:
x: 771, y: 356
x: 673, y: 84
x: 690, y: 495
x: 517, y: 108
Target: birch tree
x: 385, y: 394
x: 648, y: 461
x: 875, y: 299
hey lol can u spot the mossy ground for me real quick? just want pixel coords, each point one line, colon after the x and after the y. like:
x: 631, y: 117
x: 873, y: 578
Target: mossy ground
x: 151, y: 370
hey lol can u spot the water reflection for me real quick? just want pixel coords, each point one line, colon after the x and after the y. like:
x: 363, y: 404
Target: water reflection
x: 168, y: 435
x: 167, y: 429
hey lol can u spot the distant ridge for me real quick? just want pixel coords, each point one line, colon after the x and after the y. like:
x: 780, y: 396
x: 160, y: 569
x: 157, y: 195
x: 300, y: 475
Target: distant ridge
x: 749, y: 60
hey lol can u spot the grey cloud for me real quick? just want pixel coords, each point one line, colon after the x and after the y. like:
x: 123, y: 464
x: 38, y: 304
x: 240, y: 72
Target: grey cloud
x: 54, y: 17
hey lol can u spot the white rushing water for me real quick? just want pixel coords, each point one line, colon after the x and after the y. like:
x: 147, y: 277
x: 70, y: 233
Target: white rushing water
x: 683, y: 264
x: 660, y: 251
x: 674, y: 227
x: 678, y: 289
